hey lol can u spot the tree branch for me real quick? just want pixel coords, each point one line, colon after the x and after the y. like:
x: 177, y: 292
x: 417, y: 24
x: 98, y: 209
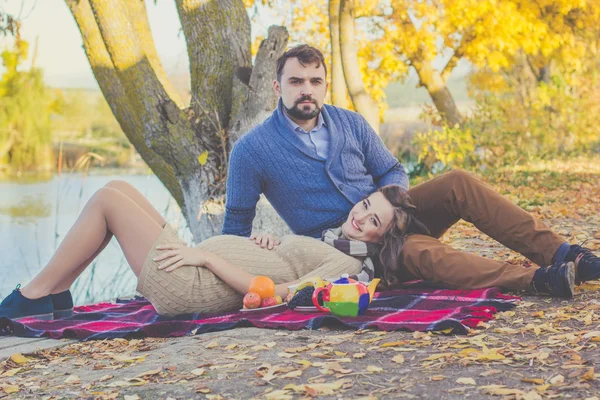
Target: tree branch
x: 363, y: 102
x: 260, y: 98
x: 139, y: 18
x: 161, y: 119
x: 339, y: 91
x: 114, y: 93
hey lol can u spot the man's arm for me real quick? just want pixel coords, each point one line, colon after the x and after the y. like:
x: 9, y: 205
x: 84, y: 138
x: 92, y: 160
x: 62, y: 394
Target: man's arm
x: 379, y: 161
x: 243, y: 192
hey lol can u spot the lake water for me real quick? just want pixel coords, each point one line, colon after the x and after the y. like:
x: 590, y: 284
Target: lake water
x: 36, y: 215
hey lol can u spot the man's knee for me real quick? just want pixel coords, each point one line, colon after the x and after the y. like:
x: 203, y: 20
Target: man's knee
x: 459, y: 175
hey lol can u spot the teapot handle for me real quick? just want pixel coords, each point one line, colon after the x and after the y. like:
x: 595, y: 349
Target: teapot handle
x: 315, y: 299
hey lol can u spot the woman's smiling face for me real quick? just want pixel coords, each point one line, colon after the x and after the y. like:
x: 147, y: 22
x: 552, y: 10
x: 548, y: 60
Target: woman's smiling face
x: 369, y: 219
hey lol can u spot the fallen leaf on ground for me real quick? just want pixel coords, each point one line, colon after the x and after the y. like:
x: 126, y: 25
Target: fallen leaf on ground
x: 149, y: 373
x: 589, y: 375
x: 9, y: 389
x: 466, y: 381
x: 72, y: 379
x: 19, y: 358
x: 399, y: 359
x: 537, y: 381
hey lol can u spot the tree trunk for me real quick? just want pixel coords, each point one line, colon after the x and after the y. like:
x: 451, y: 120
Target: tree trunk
x: 363, y: 102
x: 339, y: 90
x: 114, y: 93
x: 432, y: 80
x: 186, y: 148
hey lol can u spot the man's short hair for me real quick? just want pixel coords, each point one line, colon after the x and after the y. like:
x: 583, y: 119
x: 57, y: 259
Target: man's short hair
x: 305, y: 54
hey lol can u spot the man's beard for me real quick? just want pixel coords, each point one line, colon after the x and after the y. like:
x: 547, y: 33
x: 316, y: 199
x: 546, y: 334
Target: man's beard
x: 297, y: 112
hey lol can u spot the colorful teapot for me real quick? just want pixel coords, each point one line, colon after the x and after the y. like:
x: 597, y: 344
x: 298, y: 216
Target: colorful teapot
x: 345, y: 297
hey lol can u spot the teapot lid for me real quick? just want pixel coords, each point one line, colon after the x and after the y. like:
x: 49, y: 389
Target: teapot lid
x: 344, y: 279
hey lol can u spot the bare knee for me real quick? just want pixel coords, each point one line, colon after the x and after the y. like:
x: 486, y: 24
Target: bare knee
x: 118, y: 185
x: 104, y: 197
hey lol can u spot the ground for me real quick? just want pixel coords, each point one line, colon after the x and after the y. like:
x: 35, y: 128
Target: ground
x: 544, y: 348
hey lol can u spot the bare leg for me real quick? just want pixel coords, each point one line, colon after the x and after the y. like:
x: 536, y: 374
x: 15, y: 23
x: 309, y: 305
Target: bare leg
x: 108, y: 211
x: 135, y: 195
x: 131, y: 192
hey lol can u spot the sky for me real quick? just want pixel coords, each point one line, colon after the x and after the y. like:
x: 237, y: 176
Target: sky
x: 60, y: 49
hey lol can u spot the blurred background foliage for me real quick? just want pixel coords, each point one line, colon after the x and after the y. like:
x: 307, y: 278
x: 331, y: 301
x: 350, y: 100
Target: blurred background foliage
x: 531, y: 91
x: 37, y: 122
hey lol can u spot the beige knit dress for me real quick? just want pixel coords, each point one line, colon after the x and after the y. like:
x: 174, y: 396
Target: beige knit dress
x: 198, y: 290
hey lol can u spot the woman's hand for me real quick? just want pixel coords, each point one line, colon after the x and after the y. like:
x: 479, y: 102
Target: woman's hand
x: 177, y: 255
x: 265, y: 240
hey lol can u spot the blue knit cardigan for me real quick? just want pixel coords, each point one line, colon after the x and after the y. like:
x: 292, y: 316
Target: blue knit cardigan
x: 309, y: 193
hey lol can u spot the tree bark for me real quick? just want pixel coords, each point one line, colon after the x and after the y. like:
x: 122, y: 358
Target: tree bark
x: 187, y: 148
x: 114, y: 93
x: 363, y: 102
x: 432, y: 80
x: 260, y: 99
x: 339, y: 91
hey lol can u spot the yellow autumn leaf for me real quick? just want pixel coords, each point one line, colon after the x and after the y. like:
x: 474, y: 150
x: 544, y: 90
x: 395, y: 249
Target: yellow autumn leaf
x: 315, y: 389
x: 9, y: 389
x: 438, y: 356
x: 19, y: 358
x: 542, y: 388
x: 399, y: 359
x: 203, y: 157
x: 127, y: 358
x: 304, y: 363
x: 537, y: 381
x: 197, y: 371
x: 589, y: 375
x: 394, y: 344
x: 373, y: 368
x: 149, y: 373
x: 359, y: 355
x: 11, y: 372
x: 466, y: 381
x: 293, y: 374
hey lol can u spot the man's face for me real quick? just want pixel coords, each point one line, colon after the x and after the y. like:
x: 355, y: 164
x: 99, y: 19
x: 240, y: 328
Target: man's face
x: 302, y: 89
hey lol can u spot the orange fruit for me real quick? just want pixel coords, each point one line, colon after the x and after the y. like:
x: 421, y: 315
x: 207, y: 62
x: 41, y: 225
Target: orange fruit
x: 263, y: 286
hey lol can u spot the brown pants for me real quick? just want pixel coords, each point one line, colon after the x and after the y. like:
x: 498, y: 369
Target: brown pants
x: 456, y: 195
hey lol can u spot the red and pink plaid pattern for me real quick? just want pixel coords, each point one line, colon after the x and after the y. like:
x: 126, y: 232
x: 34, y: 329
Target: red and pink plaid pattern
x: 412, y: 308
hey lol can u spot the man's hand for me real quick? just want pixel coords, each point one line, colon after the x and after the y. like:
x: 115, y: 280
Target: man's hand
x: 265, y: 240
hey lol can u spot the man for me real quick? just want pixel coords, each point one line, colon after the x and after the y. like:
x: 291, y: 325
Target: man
x: 314, y: 161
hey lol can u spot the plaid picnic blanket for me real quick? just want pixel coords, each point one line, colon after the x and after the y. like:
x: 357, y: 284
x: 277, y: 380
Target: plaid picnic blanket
x: 414, y: 309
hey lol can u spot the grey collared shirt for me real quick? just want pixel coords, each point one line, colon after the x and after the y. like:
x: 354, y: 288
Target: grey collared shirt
x: 317, y: 139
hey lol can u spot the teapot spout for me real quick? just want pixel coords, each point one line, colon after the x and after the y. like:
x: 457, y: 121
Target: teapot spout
x: 371, y: 288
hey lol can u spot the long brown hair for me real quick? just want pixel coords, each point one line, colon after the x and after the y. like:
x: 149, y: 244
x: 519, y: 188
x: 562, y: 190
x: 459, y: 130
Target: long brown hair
x: 405, y: 223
